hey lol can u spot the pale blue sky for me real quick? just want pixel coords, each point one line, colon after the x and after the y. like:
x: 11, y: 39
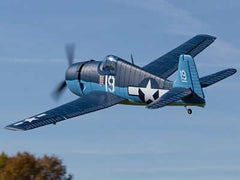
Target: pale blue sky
x: 122, y: 142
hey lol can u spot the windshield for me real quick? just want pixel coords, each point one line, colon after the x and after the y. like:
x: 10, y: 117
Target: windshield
x: 109, y: 65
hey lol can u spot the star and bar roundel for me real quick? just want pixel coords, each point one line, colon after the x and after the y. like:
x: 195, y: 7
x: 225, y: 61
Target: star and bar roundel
x: 148, y: 90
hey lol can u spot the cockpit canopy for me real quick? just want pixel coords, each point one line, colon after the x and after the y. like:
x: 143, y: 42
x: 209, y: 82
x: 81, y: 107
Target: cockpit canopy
x: 109, y: 65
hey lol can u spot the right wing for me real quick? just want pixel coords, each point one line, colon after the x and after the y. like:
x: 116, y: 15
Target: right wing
x: 171, y: 96
x: 167, y: 64
x: 214, y: 78
x: 93, y: 101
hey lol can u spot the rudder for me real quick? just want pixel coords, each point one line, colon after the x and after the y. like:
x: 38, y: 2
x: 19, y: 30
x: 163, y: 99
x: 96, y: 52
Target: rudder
x: 187, y: 76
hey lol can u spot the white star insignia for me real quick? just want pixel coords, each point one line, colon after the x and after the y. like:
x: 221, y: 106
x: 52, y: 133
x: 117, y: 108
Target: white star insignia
x: 148, y: 92
x: 30, y: 119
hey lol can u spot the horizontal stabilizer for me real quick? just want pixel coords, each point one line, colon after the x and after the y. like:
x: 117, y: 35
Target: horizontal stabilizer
x: 93, y: 101
x: 171, y: 96
x: 214, y: 78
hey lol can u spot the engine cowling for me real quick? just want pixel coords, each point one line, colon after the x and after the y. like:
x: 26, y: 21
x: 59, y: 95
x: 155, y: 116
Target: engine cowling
x: 72, y: 77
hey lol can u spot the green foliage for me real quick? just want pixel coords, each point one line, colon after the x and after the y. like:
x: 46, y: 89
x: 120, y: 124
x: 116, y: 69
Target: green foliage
x: 26, y: 166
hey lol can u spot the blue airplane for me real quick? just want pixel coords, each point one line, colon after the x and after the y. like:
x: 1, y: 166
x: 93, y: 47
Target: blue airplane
x: 101, y: 84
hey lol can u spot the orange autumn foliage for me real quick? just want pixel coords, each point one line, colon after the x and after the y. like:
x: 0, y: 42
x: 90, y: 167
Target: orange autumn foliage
x: 25, y: 166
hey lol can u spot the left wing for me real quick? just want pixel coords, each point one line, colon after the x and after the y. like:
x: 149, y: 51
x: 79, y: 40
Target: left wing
x: 93, y: 101
x: 171, y: 96
x: 167, y: 64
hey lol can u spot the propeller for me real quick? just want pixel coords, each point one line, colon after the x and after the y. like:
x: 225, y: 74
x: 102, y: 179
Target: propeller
x: 70, y: 48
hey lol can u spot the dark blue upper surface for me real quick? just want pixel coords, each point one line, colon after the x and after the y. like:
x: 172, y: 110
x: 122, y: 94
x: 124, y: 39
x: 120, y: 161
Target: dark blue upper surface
x: 89, y: 103
x: 167, y: 64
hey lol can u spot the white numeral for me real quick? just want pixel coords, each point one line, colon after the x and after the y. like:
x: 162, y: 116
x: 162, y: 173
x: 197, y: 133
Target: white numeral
x: 110, y: 83
x: 183, y: 76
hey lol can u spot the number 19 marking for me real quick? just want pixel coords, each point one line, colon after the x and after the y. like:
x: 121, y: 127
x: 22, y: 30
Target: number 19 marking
x: 110, y: 83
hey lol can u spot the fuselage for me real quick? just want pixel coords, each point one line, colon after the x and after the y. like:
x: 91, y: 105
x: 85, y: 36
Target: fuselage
x: 117, y: 76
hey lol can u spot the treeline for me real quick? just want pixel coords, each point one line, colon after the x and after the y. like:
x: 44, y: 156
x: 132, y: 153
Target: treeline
x: 25, y: 166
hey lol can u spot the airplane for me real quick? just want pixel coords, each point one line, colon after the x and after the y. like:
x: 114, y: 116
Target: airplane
x: 102, y: 84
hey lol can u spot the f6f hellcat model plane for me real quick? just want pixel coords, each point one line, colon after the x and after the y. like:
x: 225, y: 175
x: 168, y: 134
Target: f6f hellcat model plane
x: 102, y: 84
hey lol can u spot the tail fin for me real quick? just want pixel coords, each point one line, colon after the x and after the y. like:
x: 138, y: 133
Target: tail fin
x: 187, y: 76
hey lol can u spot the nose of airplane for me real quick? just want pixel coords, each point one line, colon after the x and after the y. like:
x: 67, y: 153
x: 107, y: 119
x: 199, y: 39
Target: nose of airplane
x: 72, y: 72
x: 73, y: 78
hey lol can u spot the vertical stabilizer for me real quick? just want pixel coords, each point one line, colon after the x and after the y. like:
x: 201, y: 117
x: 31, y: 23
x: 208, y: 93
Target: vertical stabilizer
x: 187, y: 76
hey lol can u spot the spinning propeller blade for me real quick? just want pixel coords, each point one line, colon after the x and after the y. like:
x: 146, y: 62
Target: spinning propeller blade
x: 58, y: 91
x: 70, y: 48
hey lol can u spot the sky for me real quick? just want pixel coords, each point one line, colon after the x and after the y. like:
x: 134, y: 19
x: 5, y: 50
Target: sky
x: 121, y: 142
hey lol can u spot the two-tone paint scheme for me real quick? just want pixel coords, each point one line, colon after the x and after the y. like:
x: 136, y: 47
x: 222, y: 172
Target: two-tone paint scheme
x: 102, y: 84
x: 116, y: 76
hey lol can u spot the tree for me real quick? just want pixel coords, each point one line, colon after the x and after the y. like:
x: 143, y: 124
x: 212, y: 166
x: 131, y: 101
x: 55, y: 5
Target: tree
x: 3, y: 161
x: 26, y: 166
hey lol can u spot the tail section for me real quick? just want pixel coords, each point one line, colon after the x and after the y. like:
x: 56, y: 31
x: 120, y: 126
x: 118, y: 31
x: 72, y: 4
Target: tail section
x: 216, y: 77
x: 187, y: 88
x: 187, y: 76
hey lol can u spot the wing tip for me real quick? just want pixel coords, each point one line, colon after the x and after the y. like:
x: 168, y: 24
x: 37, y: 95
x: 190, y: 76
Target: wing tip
x: 233, y: 70
x: 10, y: 127
x: 207, y: 36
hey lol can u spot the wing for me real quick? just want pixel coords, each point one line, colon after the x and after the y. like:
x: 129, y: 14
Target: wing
x: 167, y: 64
x: 92, y: 102
x: 214, y: 78
x: 171, y: 96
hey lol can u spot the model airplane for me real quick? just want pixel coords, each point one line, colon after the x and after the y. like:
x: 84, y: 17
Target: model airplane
x: 102, y: 84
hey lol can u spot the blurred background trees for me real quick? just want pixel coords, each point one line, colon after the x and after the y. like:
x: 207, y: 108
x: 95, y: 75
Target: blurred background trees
x: 25, y: 166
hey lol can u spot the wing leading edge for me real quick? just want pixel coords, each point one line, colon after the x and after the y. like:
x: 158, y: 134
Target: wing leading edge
x: 92, y: 102
x: 167, y: 64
